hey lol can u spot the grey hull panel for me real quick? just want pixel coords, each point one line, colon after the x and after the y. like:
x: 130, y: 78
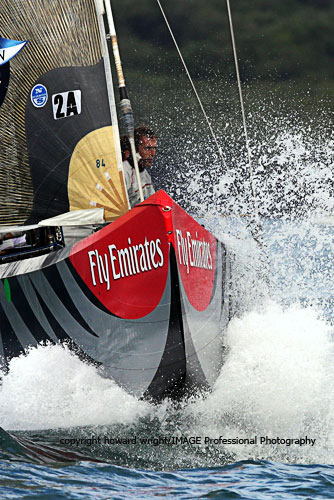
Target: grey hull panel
x: 204, y: 330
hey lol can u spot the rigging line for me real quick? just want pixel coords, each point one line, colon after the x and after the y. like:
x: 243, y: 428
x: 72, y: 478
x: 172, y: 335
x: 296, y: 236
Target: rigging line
x: 192, y: 84
x: 242, y: 109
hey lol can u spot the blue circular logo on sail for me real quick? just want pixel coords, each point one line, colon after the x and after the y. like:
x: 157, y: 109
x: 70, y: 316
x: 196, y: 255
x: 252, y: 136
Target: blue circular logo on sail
x: 39, y: 96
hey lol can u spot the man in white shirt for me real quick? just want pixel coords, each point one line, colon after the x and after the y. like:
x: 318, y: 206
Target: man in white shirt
x: 146, y: 145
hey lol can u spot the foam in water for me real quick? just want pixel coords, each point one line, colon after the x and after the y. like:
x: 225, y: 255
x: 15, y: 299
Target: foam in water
x: 277, y: 381
x: 50, y: 387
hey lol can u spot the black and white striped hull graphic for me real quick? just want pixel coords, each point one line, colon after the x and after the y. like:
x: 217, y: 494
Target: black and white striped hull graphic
x: 51, y: 305
x: 150, y: 355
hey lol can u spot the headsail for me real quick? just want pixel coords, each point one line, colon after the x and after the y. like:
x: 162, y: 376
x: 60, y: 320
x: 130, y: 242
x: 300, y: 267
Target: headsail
x: 57, y: 139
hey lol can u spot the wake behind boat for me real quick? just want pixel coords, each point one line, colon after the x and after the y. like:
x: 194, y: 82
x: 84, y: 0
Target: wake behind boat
x: 143, y: 292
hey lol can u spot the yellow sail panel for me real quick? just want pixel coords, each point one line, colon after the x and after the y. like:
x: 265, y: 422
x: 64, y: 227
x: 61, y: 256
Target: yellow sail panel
x: 94, y: 180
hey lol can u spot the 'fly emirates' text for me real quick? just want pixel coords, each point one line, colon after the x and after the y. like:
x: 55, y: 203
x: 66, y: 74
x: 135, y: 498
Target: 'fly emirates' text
x: 193, y: 252
x: 125, y: 262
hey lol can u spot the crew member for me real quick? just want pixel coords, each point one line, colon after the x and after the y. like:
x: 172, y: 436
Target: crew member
x: 146, y: 145
x: 8, y: 241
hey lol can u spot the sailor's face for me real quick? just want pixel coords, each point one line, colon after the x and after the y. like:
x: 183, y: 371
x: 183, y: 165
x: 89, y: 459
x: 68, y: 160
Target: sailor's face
x: 147, y: 149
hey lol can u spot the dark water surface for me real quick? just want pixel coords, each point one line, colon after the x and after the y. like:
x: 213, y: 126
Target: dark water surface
x: 244, y: 480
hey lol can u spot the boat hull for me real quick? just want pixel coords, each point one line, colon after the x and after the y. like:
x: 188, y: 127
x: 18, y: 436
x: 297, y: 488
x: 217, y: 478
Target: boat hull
x: 144, y: 298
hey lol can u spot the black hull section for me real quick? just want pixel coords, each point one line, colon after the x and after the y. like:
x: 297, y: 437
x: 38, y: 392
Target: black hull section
x: 173, y: 362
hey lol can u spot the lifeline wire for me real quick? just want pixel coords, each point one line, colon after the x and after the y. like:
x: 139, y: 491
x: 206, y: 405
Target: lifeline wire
x: 192, y: 84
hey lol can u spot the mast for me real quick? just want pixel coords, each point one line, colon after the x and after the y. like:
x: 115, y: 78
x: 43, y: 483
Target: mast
x: 100, y: 11
x: 125, y: 104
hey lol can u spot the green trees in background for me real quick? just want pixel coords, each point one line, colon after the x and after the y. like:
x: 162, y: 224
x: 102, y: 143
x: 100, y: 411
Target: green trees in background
x: 276, y: 39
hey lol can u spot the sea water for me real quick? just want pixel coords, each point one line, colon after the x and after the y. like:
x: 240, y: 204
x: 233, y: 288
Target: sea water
x: 266, y: 429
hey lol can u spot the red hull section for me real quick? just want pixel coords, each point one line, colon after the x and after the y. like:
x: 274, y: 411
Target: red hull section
x: 126, y: 265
